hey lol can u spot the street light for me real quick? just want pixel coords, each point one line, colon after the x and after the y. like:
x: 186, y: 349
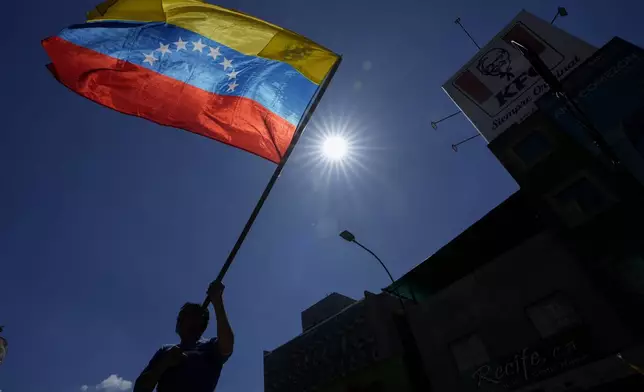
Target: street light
x: 561, y: 11
x: 349, y: 237
x: 411, y: 356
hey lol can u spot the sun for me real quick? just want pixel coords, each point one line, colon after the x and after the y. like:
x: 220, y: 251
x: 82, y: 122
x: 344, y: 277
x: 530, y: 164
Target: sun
x: 335, y: 148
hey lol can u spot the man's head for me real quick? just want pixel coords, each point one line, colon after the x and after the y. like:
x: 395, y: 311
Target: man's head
x: 192, y: 321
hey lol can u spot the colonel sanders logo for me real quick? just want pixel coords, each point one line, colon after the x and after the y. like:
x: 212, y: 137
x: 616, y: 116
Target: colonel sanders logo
x: 496, y: 62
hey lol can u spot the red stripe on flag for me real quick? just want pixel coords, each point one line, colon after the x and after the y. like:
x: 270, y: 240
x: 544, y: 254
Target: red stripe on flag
x: 131, y: 89
x: 472, y: 86
x: 525, y: 38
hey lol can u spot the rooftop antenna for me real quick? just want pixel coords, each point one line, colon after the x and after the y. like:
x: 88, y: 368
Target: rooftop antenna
x: 458, y: 22
x: 561, y: 11
x: 455, y: 146
x: 435, y: 123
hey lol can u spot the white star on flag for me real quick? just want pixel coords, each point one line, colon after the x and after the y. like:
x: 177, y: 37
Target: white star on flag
x: 232, y: 75
x: 149, y: 58
x: 164, y: 49
x: 226, y: 63
x: 181, y: 44
x: 198, y: 46
x: 232, y: 86
x: 214, y: 52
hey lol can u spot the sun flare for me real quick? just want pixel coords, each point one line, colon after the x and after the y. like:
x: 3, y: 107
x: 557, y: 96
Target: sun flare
x: 335, y: 148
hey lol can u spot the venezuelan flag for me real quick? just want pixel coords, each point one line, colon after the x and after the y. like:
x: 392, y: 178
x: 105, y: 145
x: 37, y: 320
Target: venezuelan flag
x: 195, y: 66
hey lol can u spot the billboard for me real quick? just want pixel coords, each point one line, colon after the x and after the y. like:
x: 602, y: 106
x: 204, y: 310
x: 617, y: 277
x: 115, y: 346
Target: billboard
x: 498, y: 87
x: 609, y: 89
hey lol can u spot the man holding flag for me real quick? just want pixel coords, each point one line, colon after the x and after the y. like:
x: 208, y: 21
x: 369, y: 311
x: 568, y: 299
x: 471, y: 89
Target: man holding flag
x: 212, y: 71
x: 194, y: 365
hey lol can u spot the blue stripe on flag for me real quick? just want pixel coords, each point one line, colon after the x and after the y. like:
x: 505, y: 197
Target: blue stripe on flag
x: 189, y: 57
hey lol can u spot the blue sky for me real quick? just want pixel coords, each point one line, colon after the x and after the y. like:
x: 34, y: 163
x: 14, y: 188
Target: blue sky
x: 109, y: 223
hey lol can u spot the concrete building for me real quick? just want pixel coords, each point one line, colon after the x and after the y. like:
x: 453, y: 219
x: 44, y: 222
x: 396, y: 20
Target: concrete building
x: 345, y: 346
x: 529, y: 317
x: 546, y: 292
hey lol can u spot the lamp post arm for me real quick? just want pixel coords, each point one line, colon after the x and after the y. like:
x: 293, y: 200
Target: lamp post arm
x: 377, y: 258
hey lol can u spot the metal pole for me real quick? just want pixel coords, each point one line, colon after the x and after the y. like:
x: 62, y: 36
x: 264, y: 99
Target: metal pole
x: 377, y: 258
x: 402, y: 303
x: 458, y: 22
x: 586, y: 123
x: 278, y: 170
x: 411, y: 356
x: 455, y: 146
x: 557, y: 87
x: 435, y: 123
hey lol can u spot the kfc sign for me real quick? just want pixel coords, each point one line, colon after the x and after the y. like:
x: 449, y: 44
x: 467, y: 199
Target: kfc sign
x: 499, y: 87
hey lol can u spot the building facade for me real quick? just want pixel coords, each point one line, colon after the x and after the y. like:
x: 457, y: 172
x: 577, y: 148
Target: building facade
x: 531, y: 319
x: 356, y: 348
x: 546, y: 292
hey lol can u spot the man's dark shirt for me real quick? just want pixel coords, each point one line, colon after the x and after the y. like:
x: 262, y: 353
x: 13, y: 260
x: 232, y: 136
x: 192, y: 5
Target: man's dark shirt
x: 197, y: 373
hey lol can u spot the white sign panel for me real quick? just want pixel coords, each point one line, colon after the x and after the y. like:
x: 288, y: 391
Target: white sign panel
x: 498, y: 87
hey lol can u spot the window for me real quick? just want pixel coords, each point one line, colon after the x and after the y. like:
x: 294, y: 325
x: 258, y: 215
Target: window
x: 469, y: 353
x: 552, y: 315
x: 581, y: 197
x: 532, y: 148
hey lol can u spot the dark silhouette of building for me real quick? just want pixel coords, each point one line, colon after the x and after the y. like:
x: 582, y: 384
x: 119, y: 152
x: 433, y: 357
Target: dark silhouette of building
x: 355, y: 348
x: 331, y: 305
x: 546, y: 290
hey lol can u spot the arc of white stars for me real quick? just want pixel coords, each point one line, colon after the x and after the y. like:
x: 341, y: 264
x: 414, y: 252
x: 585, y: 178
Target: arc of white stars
x: 198, y: 46
x: 181, y: 44
x: 164, y: 49
x: 214, y: 53
x: 149, y: 58
x: 232, y: 86
x: 227, y: 64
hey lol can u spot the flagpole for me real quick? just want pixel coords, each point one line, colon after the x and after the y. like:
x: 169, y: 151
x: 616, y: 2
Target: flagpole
x: 260, y: 203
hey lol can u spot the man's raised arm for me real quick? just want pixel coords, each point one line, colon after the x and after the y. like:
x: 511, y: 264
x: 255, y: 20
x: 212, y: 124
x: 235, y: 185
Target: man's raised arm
x: 225, y: 336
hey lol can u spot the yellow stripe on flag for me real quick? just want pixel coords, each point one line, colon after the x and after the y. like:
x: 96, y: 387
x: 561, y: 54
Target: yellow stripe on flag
x: 244, y: 33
